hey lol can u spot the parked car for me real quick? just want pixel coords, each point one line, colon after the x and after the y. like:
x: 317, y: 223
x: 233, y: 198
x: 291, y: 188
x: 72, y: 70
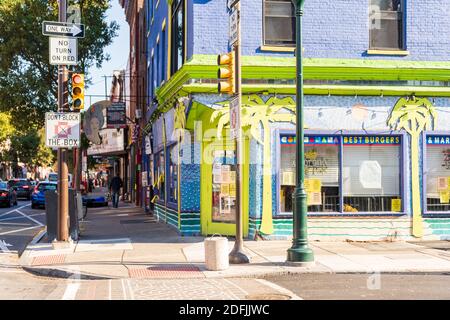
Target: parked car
x: 8, y: 196
x: 38, y: 196
x: 53, y: 177
x: 22, y: 186
x: 95, y: 200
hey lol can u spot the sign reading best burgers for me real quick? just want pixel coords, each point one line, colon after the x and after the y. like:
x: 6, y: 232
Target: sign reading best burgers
x: 62, y: 130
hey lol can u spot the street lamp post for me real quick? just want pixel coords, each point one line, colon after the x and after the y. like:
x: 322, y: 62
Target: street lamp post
x: 299, y: 252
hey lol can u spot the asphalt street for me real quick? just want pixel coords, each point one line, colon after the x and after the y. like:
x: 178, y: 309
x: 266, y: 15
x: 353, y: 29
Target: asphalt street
x: 18, y: 225
x: 367, y: 286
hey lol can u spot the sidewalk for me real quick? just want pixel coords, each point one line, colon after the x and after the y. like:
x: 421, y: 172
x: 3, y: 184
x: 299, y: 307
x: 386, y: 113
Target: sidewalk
x: 127, y: 243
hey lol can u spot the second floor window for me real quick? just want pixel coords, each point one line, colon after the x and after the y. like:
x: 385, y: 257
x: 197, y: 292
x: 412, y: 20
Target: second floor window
x: 177, y: 38
x: 279, y: 23
x: 386, y: 24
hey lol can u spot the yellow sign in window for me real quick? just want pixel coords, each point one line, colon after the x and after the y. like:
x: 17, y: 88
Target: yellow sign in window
x: 396, y: 205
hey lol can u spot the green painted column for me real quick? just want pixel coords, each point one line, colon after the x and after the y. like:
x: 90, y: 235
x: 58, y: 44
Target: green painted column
x: 300, y: 252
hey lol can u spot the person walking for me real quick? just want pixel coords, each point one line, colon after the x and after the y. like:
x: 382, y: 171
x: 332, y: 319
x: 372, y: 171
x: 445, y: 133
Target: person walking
x: 114, y: 188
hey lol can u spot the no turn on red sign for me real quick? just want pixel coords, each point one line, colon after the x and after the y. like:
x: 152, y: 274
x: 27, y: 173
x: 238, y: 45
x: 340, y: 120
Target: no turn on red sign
x: 62, y: 130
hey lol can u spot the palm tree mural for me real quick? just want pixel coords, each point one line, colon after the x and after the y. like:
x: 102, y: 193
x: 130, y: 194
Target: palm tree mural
x: 413, y: 115
x: 257, y: 114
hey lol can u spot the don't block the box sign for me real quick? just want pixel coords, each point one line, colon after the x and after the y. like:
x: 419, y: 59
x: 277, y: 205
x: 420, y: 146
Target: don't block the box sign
x: 62, y: 130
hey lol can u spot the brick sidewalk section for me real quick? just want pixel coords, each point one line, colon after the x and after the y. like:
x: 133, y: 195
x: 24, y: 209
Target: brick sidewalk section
x: 127, y: 243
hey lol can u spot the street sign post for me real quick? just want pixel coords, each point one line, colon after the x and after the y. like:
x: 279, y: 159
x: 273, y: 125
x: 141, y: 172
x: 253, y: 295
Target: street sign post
x: 62, y: 29
x: 233, y: 27
x: 237, y: 255
x: 234, y: 118
x: 62, y: 130
x: 63, y: 51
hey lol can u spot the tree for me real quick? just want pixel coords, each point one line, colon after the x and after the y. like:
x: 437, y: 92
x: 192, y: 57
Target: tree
x: 413, y: 115
x: 28, y: 83
x: 6, y: 131
x: 30, y: 149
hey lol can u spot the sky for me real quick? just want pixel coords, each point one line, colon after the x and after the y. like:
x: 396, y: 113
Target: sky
x: 118, y: 51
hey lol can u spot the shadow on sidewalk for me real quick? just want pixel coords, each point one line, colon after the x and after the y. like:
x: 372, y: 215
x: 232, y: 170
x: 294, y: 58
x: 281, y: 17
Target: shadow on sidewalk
x: 128, y: 222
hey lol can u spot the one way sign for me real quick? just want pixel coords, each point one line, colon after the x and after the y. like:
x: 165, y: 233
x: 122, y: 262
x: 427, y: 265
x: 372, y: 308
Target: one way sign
x: 62, y: 29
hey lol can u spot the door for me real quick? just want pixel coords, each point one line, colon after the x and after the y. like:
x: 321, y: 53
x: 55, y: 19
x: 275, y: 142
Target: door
x: 218, y: 189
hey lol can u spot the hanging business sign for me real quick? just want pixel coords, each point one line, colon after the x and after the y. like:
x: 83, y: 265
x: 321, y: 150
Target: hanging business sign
x: 62, y: 130
x: 113, y: 142
x: 116, y: 116
x: 148, y: 145
x: 94, y: 121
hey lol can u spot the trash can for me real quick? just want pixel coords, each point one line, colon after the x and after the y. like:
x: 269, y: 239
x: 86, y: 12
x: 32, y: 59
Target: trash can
x: 216, y: 253
x: 51, y: 211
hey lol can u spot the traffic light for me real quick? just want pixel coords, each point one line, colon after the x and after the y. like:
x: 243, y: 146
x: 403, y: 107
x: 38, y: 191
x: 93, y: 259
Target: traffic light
x: 78, y: 91
x: 226, y: 72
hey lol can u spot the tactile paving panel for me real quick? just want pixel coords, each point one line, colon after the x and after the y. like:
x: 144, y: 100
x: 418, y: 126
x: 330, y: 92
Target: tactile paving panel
x: 47, y: 260
x: 166, y: 272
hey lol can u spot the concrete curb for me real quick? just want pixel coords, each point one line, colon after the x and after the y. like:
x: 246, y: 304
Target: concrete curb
x: 63, y: 274
x: 47, y: 271
x: 26, y: 252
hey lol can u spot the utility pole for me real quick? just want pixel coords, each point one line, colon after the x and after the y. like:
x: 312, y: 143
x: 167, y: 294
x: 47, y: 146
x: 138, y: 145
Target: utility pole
x: 237, y: 255
x: 300, y: 252
x: 63, y: 185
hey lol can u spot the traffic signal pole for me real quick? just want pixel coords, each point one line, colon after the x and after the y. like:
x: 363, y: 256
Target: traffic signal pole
x: 63, y: 185
x: 237, y: 255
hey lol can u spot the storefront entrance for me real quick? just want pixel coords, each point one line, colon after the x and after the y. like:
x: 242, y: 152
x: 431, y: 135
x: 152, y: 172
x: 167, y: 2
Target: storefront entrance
x: 218, y: 189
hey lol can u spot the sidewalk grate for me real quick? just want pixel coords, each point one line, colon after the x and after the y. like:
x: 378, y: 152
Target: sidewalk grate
x: 166, y: 272
x: 46, y: 260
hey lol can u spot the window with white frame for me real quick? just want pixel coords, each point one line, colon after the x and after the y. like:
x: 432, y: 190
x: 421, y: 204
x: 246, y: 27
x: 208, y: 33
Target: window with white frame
x: 386, y: 24
x: 279, y: 23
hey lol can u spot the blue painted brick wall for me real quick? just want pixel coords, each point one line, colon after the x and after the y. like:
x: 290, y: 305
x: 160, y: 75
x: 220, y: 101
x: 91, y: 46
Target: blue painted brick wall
x: 332, y: 29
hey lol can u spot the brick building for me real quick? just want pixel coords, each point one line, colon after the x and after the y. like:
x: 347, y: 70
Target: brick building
x: 136, y: 97
x: 376, y: 106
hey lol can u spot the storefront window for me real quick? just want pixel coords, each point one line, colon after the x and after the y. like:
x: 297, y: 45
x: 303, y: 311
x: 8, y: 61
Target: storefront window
x: 371, y: 174
x: 224, y: 187
x: 173, y: 175
x: 321, y: 172
x: 367, y: 179
x: 160, y: 175
x: 437, y: 160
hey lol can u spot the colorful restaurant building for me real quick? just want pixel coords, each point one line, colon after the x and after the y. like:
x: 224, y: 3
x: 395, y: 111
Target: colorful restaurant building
x: 377, y: 116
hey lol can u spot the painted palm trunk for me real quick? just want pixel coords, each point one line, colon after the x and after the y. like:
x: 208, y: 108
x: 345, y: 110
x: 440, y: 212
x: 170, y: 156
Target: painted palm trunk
x: 414, y: 115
